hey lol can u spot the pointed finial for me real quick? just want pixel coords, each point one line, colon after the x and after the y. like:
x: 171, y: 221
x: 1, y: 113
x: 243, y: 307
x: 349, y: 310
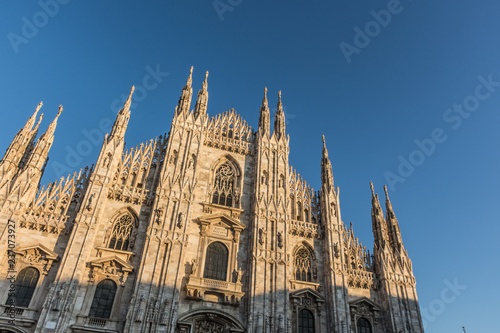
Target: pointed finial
x: 189, y: 80
x: 386, y: 194
x: 38, y: 107
x: 371, y: 187
x: 264, y: 100
x: 39, y: 122
x: 280, y: 106
x: 205, y: 83
x: 128, y: 102
x: 60, y: 111
x: 324, y: 143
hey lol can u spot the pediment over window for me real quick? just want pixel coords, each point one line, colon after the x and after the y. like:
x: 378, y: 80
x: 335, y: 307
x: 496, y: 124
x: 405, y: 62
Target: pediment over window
x: 109, y: 267
x: 220, y: 225
x: 37, y: 255
x: 307, y: 293
x: 364, y: 302
x: 364, y: 308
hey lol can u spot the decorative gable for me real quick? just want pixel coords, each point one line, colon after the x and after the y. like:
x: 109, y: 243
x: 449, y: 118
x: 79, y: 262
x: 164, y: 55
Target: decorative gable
x: 364, y: 308
x: 38, y: 256
x: 113, y: 268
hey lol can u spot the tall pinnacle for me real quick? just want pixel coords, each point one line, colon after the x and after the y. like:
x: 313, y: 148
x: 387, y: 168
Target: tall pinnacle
x: 392, y: 221
x: 32, y: 119
x: 186, y: 94
x: 52, y: 127
x: 379, y: 225
x: 264, y: 115
x: 120, y: 126
x: 279, y: 120
x: 326, y: 167
x: 22, y: 144
x: 128, y: 102
x: 202, y: 101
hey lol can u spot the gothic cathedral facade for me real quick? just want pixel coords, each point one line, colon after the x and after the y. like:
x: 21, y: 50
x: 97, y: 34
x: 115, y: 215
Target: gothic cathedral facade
x: 207, y: 229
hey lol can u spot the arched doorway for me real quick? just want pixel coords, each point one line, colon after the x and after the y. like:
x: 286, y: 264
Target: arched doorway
x: 206, y: 320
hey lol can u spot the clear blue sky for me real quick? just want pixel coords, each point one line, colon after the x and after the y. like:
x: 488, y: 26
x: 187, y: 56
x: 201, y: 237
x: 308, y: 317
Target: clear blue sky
x: 396, y: 89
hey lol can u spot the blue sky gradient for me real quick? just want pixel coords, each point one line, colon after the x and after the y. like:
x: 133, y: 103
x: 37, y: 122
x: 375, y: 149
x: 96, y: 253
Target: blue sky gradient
x: 371, y: 105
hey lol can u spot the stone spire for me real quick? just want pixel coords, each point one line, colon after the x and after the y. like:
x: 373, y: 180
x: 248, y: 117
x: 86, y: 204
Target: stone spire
x: 392, y: 222
x: 264, y: 117
x: 326, y: 168
x: 379, y: 225
x: 52, y: 127
x: 279, y: 120
x: 120, y: 126
x: 31, y: 121
x: 39, y: 155
x: 186, y: 95
x: 202, y: 101
x: 22, y: 143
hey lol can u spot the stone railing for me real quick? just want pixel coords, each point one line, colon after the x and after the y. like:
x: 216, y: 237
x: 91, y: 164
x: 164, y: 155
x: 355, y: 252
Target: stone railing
x: 226, y: 292
x: 92, y: 324
x: 21, y: 316
x: 359, y: 279
x: 304, y: 229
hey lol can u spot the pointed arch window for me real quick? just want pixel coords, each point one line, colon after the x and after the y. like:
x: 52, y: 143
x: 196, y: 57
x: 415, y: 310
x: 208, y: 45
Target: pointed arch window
x: 121, y: 233
x: 222, y: 193
x: 216, y: 262
x: 364, y: 326
x: 25, y: 286
x: 306, y: 321
x: 104, y: 298
x: 303, y: 265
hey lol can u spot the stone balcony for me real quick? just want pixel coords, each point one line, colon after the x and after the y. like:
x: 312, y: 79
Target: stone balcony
x: 216, y: 291
x: 91, y: 324
x: 24, y: 317
x: 305, y: 229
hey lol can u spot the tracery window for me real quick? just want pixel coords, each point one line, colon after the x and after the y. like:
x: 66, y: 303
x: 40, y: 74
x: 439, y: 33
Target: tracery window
x: 122, y: 231
x: 25, y: 285
x: 303, y: 265
x: 364, y: 326
x: 104, y: 297
x: 216, y: 262
x: 306, y: 321
x: 223, y: 185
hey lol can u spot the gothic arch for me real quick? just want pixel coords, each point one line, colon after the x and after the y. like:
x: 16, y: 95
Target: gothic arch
x: 223, y: 159
x: 11, y: 329
x: 307, y: 246
x: 225, y: 182
x: 222, y: 319
x: 125, y: 210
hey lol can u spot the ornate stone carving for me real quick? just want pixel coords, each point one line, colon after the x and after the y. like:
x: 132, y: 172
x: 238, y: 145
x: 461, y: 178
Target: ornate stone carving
x: 109, y: 267
x: 38, y: 256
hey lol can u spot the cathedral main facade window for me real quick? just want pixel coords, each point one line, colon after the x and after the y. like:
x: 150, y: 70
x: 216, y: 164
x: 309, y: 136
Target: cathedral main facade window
x: 224, y: 185
x: 25, y: 285
x: 364, y: 326
x: 303, y: 265
x: 306, y: 321
x: 122, y: 232
x: 216, y: 262
x: 104, y: 298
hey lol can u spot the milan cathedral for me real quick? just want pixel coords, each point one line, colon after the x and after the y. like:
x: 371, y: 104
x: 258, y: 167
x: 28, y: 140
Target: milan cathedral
x: 206, y: 229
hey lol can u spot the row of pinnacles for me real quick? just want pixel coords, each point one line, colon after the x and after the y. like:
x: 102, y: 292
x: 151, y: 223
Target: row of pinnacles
x: 206, y: 229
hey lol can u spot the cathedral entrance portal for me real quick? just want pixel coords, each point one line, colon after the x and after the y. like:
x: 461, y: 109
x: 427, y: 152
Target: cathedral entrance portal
x: 208, y: 321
